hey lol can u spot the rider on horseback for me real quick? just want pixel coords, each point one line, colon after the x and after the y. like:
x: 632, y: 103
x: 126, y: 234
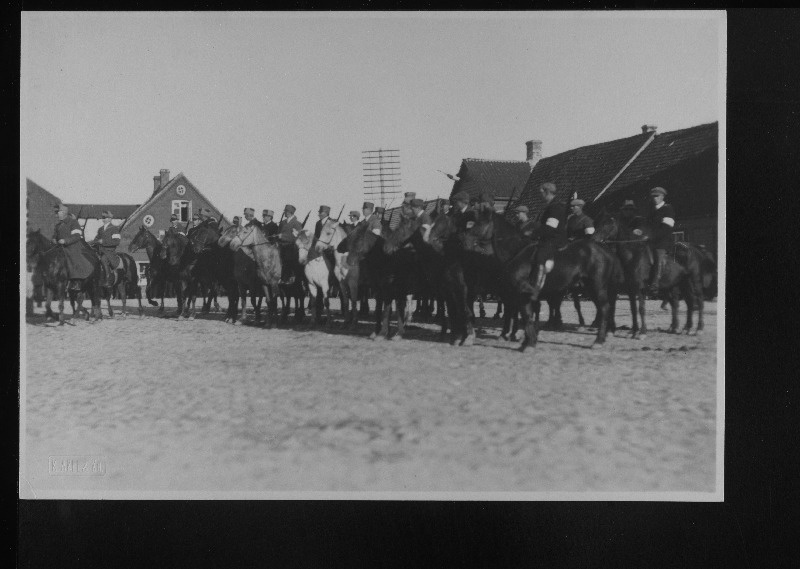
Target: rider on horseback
x: 405, y: 207
x: 107, y: 240
x: 425, y: 223
x: 525, y: 225
x: 68, y: 234
x: 270, y: 227
x: 371, y: 217
x: 551, y: 233
x: 661, y: 220
x: 174, y: 225
x: 289, y: 228
x: 630, y: 224
x: 579, y: 225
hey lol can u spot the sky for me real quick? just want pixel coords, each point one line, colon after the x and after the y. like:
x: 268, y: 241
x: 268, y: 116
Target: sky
x: 263, y: 109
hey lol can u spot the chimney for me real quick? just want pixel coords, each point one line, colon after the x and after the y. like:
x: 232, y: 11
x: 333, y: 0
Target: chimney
x: 156, y: 183
x: 534, y: 153
x: 164, y: 177
x: 648, y: 128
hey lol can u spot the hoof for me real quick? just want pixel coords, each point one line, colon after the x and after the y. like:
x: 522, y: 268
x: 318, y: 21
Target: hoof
x: 378, y: 339
x: 522, y: 347
x: 238, y: 323
x: 396, y: 338
x: 190, y: 317
x: 468, y: 341
x: 503, y: 337
x: 373, y: 336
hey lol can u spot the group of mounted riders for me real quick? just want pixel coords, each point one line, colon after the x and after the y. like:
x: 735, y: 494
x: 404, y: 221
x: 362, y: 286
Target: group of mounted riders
x: 460, y: 251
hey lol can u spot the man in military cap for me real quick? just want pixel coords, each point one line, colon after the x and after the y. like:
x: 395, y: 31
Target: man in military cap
x: 270, y: 227
x: 405, y: 207
x: 372, y: 217
x: 206, y: 219
x: 324, y: 216
x: 174, y: 225
x: 354, y: 216
x: 68, y: 234
x: 526, y: 226
x: 288, y: 230
x: 425, y: 222
x: 486, y: 200
x: 579, y: 225
x: 662, y: 221
x: 630, y: 224
x: 107, y: 240
x: 250, y: 217
x: 550, y: 232
x: 235, y: 221
x: 460, y: 206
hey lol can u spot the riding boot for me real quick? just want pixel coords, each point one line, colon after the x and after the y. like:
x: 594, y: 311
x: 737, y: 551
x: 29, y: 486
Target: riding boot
x: 657, y: 274
x: 540, y: 278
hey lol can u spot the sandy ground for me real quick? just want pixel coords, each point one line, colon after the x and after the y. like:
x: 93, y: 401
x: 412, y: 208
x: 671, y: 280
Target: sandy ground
x: 202, y: 405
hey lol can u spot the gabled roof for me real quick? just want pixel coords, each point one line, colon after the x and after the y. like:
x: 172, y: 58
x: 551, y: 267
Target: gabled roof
x: 667, y: 150
x: 133, y: 217
x: 94, y: 211
x: 586, y: 170
x: 501, y: 177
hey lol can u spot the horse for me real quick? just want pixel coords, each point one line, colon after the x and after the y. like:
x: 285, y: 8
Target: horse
x: 687, y: 270
x: 321, y: 279
x: 179, y: 263
x: 155, y: 270
x: 49, y: 263
x: 216, y: 266
x: 123, y: 280
x: 257, y: 268
x: 497, y: 245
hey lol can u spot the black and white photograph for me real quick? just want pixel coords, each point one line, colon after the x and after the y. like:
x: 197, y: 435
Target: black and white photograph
x: 372, y: 255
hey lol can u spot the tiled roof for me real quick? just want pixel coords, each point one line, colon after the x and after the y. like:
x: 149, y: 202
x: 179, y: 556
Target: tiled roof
x: 94, y: 211
x: 41, y: 206
x: 585, y: 170
x: 501, y: 177
x: 667, y: 150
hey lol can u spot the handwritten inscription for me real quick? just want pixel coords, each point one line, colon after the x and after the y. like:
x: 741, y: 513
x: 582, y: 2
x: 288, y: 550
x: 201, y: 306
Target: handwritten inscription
x: 72, y: 465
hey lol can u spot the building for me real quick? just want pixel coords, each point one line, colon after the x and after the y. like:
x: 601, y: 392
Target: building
x: 503, y: 178
x: 169, y: 195
x: 684, y: 162
x: 40, y: 206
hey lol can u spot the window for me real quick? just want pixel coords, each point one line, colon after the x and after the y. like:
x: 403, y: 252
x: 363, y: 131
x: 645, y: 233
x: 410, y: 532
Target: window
x: 182, y: 209
x: 142, y: 267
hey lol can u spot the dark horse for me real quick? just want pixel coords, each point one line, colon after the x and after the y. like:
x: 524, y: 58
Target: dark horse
x: 689, y: 272
x: 439, y: 275
x: 155, y: 270
x: 511, y: 262
x: 391, y: 276
x: 123, y: 281
x: 215, y: 266
x: 179, y: 263
x: 49, y: 263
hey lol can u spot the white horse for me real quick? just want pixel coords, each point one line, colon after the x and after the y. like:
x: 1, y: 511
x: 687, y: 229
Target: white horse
x: 267, y: 263
x: 316, y: 269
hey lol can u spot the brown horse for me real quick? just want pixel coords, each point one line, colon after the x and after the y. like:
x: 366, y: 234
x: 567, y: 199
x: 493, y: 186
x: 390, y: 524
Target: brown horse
x: 49, y: 263
x: 122, y: 281
x: 215, y: 267
x: 155, y: 271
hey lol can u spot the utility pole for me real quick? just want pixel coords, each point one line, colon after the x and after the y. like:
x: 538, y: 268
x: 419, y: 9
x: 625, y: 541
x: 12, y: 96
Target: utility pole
x: 381, y: 174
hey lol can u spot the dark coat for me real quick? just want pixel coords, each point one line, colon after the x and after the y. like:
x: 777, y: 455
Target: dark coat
x: 661, y: 230
x: 554, y: 214
x: 108, y: 238
x: 577, y: 226
x: 79, y: 265
x: 627, y: 227
x: 286, y: 228
x: 270, y: 228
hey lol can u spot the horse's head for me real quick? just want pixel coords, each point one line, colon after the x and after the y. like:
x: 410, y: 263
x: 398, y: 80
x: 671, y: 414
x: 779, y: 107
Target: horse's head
x: 330, y: 235
x: 606, y: 226
x: 303, y: 242
x: 139, y: 240
x: 442, y: 230
x: 395, y: 239
x: 36, y: 243
x: 174, y: 246
x: 227, y: 236
x: 361, y: 242
x: 480, y: 227
x: 203, y: 238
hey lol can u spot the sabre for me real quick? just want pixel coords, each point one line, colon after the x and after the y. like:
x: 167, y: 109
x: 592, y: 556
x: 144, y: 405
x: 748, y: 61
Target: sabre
x: 306, y: 219
x: 340, y: 213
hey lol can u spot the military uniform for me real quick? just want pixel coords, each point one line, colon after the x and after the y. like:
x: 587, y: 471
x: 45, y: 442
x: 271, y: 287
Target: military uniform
x: 270, y: 228
x: 288, y: 249
x: 79, y: 265
x: 661, y: 220
x: 108, y: 237
x: 287, y: 228
x: 579, y: 226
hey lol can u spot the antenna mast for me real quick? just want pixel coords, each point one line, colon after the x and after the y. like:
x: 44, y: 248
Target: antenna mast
x: 381, y: 174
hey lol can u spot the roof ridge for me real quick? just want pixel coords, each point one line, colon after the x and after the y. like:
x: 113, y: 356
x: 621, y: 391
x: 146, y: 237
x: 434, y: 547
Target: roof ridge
x: 492, y: 160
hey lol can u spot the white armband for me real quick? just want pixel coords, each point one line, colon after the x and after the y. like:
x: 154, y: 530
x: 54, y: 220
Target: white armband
x: 376, y: 231
x: 552, y: 222
x: 76, y: 232
x: 426, y: 225
x: 116, y: 236
x: 669, y: 221
x: 589, y: 231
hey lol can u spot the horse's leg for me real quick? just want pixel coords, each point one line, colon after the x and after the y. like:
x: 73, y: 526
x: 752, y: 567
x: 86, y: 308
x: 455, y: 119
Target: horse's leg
x: 481, y: 308
x: 602, y: 304
x: 640, y: 294
x: 576, y: 301
x: 699, y: 296
x: 633, y: 299
x: 375, y: 335
x: 403, y: 313
x: 243, y: 297
x: 386, y: 318
x: 499, y: 313
x: 689, y: 297
x: 528, y: 323
x: 674, y: 300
